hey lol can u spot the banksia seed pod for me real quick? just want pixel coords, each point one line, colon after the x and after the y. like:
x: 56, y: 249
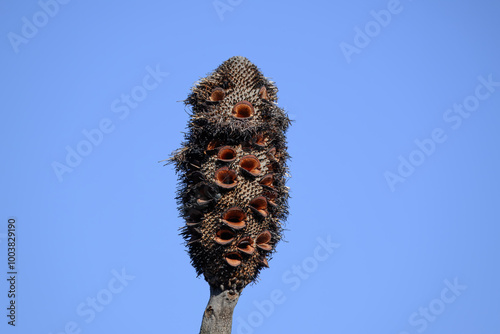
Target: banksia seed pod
x: 232, y: 170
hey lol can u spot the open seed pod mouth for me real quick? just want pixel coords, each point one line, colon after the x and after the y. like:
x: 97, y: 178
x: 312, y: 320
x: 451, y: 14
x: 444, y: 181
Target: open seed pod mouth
x: 263, y: 93
x: 226, y: 154
x: 262, y: 241
x: 217, y: 94
x: 259, y: 206
x: 250, y: 165
x: 225, y: 178
x: 267, y: 181
x: 233, y: 259
x: 235, y: 218
x: 260, y: 140
x: 224, y: 236
x: 245, y: 245
x: 271, y: 154
x: 243, y: 110
x: 271, y: 196
x: 205, y: 196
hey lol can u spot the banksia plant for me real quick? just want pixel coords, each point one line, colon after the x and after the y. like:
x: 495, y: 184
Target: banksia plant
x: 232, y: 194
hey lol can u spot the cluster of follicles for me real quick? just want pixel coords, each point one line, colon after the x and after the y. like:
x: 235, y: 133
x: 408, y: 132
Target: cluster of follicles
x: 232, y: 169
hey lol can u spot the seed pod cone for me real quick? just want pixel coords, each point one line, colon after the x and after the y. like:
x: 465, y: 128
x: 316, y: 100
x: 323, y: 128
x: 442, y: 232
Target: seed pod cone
x: 228, y: 175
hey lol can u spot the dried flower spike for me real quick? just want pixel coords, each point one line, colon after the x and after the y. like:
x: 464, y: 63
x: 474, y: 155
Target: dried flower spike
x: 232, y: 170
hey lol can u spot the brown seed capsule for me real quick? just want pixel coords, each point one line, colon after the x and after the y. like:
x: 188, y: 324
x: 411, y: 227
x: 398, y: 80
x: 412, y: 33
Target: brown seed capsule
x: 205, y: 196
x: 224, y: 236
x: 267, y: 181
x: 245, y: 245
x: 271, y: 196
x: 260, y: 140
x: 243, y: 110
x: 250, y: 165
x: 271, y: 154
x: 235, y: 218
x: 217, y: 94
x: 233, y: 259
x: 262, y: 241
x: 226, y: 154
x: 225, y: 178
x: 259, y: 206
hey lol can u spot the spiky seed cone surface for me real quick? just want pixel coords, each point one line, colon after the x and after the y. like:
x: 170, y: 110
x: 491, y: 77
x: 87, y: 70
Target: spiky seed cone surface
x: 232, y: 170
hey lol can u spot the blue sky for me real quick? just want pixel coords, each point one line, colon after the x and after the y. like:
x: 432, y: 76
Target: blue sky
x: 395, y: 188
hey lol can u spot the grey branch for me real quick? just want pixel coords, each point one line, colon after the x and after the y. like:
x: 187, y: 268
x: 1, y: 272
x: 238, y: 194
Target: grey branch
x: 218, y: 315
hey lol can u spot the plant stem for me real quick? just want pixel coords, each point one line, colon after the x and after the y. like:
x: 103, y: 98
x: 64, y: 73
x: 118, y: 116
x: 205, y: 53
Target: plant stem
x: 218, y: 315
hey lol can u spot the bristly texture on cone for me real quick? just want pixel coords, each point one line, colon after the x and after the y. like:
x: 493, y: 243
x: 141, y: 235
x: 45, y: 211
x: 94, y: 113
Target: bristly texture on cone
x: 232, y: 170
